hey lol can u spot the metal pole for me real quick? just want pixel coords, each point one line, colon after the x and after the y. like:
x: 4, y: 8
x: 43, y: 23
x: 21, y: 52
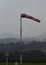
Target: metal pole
x: 20, y: 40
x: 6, y: 60
x: 6, y: 55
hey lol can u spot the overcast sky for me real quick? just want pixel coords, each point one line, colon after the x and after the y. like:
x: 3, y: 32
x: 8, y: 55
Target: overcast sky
x: 10, y: 11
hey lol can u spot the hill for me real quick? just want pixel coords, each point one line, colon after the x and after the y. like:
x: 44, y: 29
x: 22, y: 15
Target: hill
x: 15, y: 46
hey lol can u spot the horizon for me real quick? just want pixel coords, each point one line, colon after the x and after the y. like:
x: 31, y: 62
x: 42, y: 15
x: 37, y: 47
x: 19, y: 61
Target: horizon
x: 11, y: 35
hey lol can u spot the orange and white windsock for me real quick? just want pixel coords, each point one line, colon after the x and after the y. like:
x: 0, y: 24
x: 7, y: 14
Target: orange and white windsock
x: 29, y: 17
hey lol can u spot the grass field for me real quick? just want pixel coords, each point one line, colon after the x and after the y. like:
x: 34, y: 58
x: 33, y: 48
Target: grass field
x: 24, y: 63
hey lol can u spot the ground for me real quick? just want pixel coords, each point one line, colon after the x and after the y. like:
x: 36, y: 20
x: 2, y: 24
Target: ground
x: 24, y: 63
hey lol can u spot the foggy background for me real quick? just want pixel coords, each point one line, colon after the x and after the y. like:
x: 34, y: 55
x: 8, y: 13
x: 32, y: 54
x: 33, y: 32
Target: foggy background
x: 10, y: 11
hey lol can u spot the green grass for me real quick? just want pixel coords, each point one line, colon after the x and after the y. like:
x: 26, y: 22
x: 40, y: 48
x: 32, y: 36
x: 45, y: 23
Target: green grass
x: 24, y: 63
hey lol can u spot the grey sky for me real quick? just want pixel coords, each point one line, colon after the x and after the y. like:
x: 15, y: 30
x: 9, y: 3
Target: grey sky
x: 10, y: 11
